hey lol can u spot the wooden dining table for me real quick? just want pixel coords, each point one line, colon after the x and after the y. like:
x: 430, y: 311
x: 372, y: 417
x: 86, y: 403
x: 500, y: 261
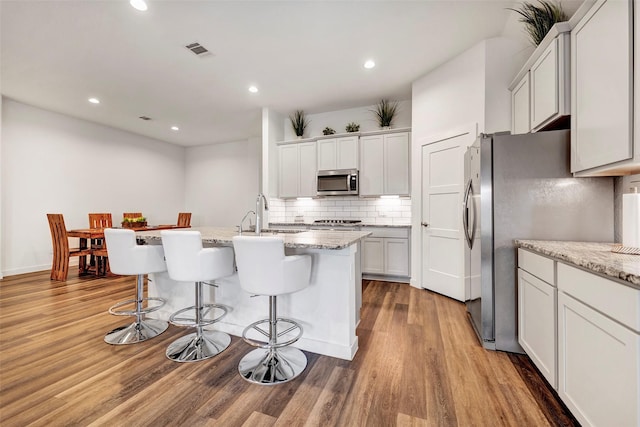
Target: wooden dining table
x: 87, y: 234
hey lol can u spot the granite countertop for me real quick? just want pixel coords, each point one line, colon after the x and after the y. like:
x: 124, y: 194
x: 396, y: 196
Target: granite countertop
x: 312, y: 239
x: 596, y: 257
x: 310, y: 224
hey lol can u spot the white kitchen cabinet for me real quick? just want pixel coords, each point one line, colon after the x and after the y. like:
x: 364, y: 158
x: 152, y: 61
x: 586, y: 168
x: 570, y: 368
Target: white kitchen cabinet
x: 540, y: 92
x: 372, y: 255
x: 520, y: 101
x: 384, y: 164
x: 338, y: 153
x: 602, y: 141
x: 550, y: 89
x: 396, y: 253
x: 297, y: 171
x: 537, y: 313
x: 386, y: 251
x: 598, y: 348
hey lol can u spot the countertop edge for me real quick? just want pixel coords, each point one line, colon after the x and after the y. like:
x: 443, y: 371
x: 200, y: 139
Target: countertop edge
x: 594, y: 257
x: 323, y: 240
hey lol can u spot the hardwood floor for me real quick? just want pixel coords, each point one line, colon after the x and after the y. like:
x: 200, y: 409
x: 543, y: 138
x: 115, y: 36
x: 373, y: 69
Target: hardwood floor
x: 419, y: 364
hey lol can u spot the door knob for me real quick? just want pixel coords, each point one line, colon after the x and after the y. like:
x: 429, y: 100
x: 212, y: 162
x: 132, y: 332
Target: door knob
x: 424, y: 224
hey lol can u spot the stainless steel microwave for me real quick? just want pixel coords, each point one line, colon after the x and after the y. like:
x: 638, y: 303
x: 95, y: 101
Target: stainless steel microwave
x: 340, y: 182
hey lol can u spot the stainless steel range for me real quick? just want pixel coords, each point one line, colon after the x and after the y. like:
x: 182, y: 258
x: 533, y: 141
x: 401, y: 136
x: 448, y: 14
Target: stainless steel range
x: 337, y: 221
x: 336, y: 224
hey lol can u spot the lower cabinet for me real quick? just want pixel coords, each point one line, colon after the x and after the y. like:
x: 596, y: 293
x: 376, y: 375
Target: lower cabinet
x: 599, y: 359
x: 386, y: 252
x: 537, y: 323
x: 589, y: 328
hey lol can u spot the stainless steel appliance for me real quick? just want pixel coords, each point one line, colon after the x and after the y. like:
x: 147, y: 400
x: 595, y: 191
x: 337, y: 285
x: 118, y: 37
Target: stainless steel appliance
x: 335, y: 224
x: 339, y: 182
x: 520, y: 187
x: 337, y: 221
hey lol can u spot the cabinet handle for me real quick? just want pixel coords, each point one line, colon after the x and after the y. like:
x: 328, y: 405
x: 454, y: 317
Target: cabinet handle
x: 425, y: 224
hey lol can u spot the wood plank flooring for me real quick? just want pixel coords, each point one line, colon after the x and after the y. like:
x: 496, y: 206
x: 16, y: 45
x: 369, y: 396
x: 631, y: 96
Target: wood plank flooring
x: 419, y: 364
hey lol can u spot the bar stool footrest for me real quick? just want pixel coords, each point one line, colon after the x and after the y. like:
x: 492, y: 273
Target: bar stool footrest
x: 266, y: 345
x: 174, y: 319
x: 114, y: 308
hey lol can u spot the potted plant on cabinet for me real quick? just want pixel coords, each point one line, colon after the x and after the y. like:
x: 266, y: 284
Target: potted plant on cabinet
x: 352, y: 127
x: 328, y: 131
x: 384, y: 112
x: 299, y: 123
x: 538, y: 20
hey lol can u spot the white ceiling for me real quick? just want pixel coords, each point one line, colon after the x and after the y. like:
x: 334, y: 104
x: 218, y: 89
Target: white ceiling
x: 301, y: 54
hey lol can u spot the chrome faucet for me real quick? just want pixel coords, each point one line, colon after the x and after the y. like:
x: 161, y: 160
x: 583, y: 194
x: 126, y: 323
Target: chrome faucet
x: 242, y: 222
x: 259, y: 212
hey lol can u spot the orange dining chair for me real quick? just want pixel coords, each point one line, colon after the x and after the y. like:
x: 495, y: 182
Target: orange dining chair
x: 184, y: 219
x: 100, y: 220
x: 61, y: 250
x: 99, y: 257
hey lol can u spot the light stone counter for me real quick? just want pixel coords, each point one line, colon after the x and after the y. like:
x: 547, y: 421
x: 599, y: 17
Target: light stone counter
x: 328, y: 309
x: 595, y: 257
x: 312, y: 239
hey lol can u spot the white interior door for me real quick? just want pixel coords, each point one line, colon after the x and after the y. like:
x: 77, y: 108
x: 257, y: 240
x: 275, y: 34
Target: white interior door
x: 441, y: 215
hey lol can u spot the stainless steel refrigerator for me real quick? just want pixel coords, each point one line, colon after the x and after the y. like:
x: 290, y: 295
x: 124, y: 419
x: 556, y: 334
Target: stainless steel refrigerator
x: 520, y: 187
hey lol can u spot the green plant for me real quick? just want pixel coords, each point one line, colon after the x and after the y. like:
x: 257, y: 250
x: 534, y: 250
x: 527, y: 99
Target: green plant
x: 352, y: 127
x: 138, y: 219
x: 384, y: 112
x: 299, y: 122
x: 328, y: 131
x: 538, y: 20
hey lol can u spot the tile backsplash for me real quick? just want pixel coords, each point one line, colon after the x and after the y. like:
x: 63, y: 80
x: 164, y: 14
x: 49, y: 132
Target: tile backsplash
x: 371, y: 211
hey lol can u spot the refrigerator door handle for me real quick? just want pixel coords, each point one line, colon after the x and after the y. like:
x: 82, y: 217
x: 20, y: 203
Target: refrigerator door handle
x: 465, y: 214
x: 472, y: 233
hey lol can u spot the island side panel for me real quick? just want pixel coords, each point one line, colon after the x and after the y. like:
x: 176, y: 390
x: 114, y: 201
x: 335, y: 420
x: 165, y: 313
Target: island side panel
x: 328, y: 309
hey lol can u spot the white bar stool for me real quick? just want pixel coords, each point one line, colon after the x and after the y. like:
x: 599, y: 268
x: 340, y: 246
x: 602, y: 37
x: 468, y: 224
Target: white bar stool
x: 128, y: 258
x: 264, y: 269
x: 188, y: 261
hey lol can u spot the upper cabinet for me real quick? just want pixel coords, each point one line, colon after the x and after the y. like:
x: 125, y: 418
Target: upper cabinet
x: 297, y: 170
x: 520, y: 114
x: 384, y: 164
x: 602, y: 140
x: 540, y: 92
x: 338, y: 153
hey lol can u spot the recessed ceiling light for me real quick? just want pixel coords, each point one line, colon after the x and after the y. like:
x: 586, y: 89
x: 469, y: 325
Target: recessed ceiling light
x: 94, y: 100
x: 138, y: 4
x: 369, y: 64
x: 253, y: 89
x: 176, y: 128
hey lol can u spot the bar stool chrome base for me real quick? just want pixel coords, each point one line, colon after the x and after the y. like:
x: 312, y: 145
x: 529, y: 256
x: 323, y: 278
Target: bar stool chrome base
x: 136, y: 332
x: 192, y: 348
x: 272, y: 366
x: 201, y: 344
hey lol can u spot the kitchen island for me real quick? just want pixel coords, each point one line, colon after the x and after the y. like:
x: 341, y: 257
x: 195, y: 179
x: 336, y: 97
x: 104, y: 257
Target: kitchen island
x: 329, y: 309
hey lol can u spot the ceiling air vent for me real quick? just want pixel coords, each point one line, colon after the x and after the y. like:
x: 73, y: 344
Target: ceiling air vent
x: 198, y: 49
x: 145, y: 118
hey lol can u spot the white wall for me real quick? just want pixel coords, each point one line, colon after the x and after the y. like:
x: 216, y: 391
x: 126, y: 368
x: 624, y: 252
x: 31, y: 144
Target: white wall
x: 503, y: 59
x: 52, y: 163
x: 471, y: 89
x: 338, y: 119
x: 222, y: 181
